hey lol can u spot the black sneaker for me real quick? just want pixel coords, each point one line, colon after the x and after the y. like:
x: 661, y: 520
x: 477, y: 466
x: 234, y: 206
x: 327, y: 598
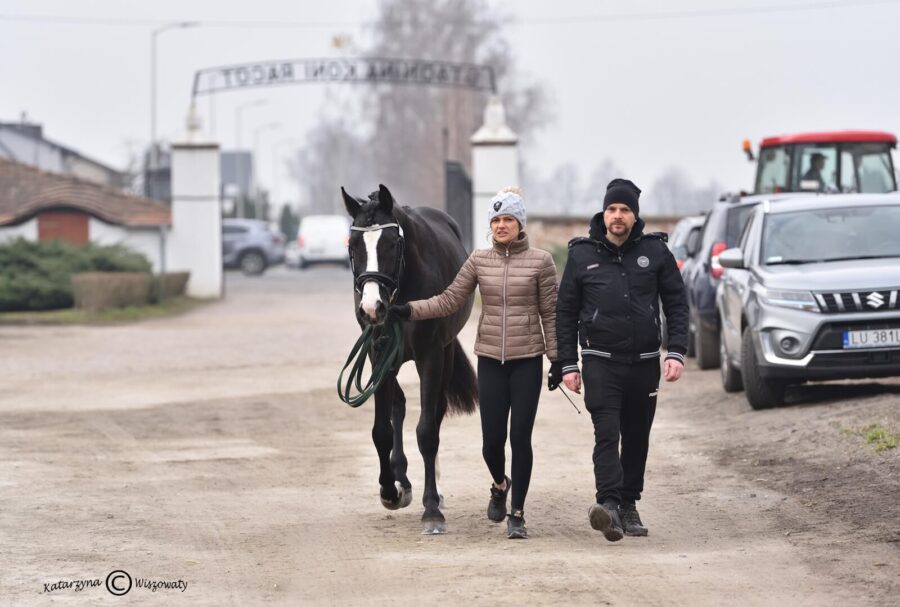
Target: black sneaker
x: 631, y: 520
x: 515, y: 526
x: 497, y: 506
x: 605, y: 519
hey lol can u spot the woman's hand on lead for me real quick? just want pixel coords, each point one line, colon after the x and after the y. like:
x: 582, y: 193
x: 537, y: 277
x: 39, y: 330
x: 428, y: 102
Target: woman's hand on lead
x: 403, y: 311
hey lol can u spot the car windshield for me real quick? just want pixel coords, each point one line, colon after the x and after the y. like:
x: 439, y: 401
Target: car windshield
x: 835, y: 234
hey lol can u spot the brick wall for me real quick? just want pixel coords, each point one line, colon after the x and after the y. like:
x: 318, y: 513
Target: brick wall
x: 548, y: 232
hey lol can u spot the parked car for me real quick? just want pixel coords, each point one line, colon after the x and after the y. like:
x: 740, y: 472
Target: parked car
x: 323, y: 238
x: 251, y: 245
x: 683, y: 244
x: 684, y: 235
x: 720, y: 231
x: 811, y: 293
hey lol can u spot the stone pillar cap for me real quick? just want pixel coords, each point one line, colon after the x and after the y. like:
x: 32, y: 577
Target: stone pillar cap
x: 494, y: 130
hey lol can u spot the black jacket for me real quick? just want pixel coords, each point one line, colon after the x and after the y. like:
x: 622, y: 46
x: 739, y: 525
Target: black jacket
x: 609, y: 298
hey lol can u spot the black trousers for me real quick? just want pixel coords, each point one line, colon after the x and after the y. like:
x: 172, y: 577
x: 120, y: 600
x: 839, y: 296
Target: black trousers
x: 509, y: 393
x: 621, y: 399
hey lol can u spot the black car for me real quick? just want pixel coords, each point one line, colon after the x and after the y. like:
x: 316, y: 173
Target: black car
x: 721, y: 230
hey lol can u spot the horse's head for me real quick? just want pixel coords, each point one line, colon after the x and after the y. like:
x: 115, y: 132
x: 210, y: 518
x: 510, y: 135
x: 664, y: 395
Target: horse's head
x: 376, y: 253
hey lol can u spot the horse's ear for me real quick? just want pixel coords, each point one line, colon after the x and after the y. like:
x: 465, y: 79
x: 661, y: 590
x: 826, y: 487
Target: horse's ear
x: 385, y: 199
x: 351, y: 203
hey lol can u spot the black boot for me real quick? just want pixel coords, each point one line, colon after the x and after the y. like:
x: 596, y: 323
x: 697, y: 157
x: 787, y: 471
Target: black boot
x: 497, y: 506
x: 605, y: 519
x: 515, y: 526
x: 631, y: 520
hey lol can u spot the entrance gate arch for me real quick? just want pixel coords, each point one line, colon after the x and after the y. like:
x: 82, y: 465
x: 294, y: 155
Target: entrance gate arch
x: 350, y: 70
x: 460, y: 200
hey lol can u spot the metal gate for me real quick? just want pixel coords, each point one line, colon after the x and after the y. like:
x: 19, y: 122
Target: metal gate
x: 459, y: 199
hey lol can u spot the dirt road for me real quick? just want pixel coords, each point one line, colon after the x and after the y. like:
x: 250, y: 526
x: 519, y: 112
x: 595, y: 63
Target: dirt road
x: 210, y: 449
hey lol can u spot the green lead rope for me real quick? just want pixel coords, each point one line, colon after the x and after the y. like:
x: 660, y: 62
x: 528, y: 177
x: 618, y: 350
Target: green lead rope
x: 388, y: 344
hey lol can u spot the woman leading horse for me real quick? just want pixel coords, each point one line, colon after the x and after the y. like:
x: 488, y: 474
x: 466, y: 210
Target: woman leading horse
x: 517, y: 327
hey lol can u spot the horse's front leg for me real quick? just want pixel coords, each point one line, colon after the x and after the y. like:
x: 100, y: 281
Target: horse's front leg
x: 383, y: 437
x: 428, y: 434
x: 398, y: 456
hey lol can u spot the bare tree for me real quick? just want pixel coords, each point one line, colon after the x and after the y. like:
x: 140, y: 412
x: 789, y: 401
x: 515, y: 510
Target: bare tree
x: 402, y: 135
x: 417, y: 129
x: 562, y: 191
x: 335, y: 155
x: 674, y: 193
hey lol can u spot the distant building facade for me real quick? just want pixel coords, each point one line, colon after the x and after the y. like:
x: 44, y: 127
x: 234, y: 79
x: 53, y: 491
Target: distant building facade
x: 24, y: 142
x: 236, y: 170
x: 38, y: 205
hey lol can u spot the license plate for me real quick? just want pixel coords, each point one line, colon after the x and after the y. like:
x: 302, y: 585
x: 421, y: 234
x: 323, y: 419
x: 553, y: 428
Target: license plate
x: 316, y: 250
x: 877, y: 338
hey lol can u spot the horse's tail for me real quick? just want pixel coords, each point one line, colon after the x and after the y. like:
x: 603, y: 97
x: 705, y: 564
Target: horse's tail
x: 462, y: 391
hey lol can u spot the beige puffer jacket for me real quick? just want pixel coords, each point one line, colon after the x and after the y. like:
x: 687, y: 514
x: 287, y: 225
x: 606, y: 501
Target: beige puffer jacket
x: 518, y: 296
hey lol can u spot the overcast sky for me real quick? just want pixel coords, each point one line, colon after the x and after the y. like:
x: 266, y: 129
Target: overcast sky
x: 643, y: 86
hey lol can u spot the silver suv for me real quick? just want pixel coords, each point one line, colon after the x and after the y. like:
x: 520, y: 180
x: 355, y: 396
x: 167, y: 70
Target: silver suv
x: 811, y: 293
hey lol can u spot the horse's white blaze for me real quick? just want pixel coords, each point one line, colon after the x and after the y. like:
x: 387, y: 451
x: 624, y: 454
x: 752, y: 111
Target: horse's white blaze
x: 370, y: 293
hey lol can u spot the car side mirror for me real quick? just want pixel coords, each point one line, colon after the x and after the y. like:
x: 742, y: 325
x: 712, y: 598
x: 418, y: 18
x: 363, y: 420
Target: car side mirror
x: 732, y: 258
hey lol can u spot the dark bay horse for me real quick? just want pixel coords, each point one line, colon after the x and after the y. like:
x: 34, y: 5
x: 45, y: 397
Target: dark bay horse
x: 400, y: 254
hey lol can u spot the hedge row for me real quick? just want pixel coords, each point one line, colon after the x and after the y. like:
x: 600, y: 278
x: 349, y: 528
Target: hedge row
x: 104, y: 290
x: 37, y: 275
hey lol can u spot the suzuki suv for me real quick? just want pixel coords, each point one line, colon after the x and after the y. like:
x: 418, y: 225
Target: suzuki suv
x: 811, y: 293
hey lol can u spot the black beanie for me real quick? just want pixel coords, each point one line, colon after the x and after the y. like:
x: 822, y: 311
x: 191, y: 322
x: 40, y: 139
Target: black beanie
x: 625, y: 192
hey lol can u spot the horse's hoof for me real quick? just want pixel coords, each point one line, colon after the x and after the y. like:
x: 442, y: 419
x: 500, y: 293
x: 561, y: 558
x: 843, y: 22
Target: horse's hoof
x: 396, y: 501
x: 403, y: 499
x: 405, y: 496
x: 434, y: 528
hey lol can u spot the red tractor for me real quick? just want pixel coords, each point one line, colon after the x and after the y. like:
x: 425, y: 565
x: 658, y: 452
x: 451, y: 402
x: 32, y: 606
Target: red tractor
x: 838, y: 161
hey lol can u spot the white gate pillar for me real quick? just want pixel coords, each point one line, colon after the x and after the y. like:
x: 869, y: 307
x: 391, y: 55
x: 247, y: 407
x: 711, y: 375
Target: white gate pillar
x: 195, y: 243
x: 495, y: 164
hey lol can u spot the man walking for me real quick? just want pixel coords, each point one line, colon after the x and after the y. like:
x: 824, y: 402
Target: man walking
x: 609, y: 305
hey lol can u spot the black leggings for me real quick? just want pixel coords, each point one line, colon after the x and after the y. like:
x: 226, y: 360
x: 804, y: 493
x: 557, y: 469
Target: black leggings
x: 515, y: 387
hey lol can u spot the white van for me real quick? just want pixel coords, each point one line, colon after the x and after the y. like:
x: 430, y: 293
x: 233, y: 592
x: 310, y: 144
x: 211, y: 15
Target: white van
x: 323, y: 238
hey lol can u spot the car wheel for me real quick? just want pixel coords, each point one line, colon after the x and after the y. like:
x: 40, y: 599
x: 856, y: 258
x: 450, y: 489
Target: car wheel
x: 761, y: 392
x: 706, y: 346
x: 303, y: 264
x: 253, y: 263
x: 731, y: 376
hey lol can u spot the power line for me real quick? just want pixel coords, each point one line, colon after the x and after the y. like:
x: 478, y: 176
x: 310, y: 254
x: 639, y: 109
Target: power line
x: 550, y: 20
x: 705, y: 13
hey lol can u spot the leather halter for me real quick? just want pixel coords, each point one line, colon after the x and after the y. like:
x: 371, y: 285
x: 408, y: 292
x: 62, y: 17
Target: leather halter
x: 391, y: 283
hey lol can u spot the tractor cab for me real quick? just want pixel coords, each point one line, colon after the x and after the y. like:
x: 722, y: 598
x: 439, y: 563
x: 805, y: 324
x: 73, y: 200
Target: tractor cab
x: 840, y: 161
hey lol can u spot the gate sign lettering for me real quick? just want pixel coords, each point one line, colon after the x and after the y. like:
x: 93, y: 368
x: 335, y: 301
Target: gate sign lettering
x: 388, y: 71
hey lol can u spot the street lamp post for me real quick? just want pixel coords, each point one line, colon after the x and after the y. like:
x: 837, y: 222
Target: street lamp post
x: 256, y: 132
x: 239, y: 167
x: 275, y: 148
x: 154, y: 153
